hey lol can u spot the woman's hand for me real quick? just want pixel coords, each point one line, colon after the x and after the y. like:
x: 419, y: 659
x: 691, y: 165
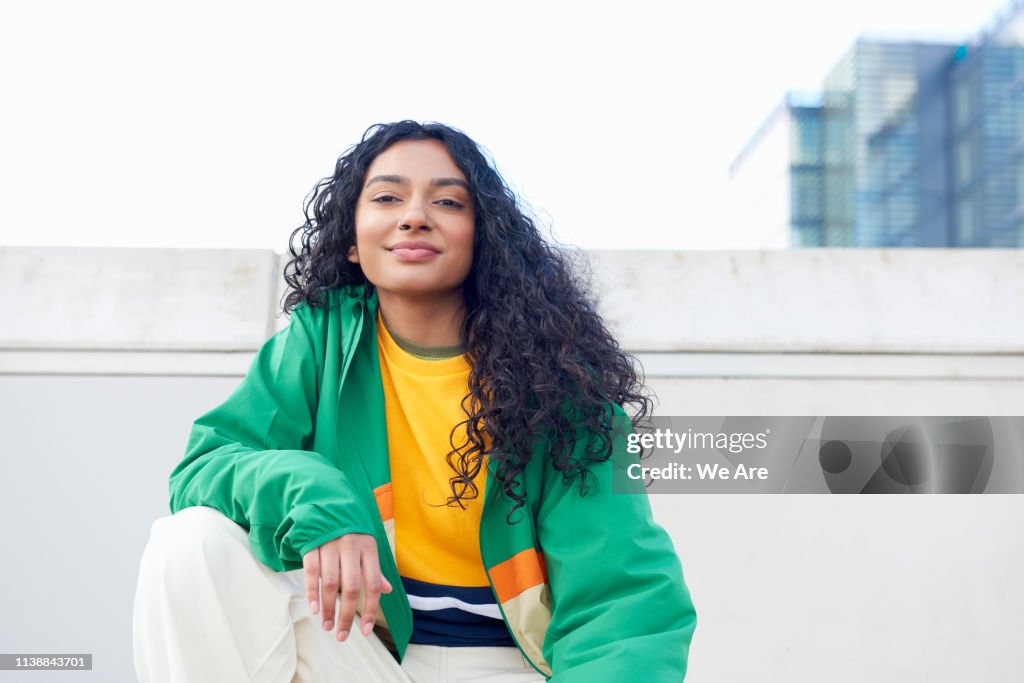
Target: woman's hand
x: 346, y: 564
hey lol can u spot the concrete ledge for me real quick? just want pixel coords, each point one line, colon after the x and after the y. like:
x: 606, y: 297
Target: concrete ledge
x: 825, y: 396
x: 120, y: 363
x: 809, y: 301
x: 833, y: 365
x: 655, y: 365
x: 136, y: 299
x: 815, y: 300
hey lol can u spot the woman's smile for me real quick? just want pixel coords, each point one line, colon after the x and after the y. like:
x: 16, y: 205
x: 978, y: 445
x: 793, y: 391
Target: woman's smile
x: 414, y: 251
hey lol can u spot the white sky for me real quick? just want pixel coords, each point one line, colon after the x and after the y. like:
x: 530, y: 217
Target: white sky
x: 205, y: 124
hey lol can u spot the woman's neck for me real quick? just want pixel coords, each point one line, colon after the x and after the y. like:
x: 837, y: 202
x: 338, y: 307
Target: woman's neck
x: 428, y: 321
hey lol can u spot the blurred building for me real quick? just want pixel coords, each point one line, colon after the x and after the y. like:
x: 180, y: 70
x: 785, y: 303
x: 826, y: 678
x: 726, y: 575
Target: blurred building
x: 907, y: 145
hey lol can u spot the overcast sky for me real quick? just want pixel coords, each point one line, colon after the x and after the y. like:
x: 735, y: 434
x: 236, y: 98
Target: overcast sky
x: 205, y: 124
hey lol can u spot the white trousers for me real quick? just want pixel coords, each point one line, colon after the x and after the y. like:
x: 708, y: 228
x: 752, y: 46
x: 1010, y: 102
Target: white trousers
x: 207, y: 610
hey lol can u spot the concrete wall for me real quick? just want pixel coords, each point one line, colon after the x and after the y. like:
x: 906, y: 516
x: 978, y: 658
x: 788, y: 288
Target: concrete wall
x: 107, y: 355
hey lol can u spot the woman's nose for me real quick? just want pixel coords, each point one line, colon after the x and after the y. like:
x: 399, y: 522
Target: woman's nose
x: 415, y: 216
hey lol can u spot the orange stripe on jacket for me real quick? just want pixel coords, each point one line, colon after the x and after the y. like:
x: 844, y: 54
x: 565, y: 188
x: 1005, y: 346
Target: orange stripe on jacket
x: 523, y: 570
x: 384, y: 501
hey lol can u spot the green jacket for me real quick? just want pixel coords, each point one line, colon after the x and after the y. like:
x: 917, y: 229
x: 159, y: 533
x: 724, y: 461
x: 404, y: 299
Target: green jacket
x: 589, y: 586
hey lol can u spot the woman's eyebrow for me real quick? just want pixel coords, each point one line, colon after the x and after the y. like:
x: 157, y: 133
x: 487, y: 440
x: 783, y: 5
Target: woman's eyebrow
x: 448, y: 182
x: 402, y: 180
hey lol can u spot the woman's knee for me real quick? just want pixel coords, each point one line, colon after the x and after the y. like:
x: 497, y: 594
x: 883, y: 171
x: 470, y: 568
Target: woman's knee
x: 196, y: 535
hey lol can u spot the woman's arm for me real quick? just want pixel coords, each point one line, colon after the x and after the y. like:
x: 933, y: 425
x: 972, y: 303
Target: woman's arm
x: 620, y: 608
x: 249, y: 457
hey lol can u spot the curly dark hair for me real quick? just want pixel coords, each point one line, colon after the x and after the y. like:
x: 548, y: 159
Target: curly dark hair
x: 543, y: 364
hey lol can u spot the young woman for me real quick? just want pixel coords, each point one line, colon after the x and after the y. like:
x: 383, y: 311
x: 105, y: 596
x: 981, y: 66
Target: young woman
x: 414, y: 481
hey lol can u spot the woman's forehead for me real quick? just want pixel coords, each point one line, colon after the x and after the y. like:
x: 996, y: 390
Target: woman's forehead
x: 415, y: 159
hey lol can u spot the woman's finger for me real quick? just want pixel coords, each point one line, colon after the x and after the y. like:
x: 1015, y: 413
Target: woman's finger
x: 329, y: 577
x: 311, y: 573
x: 372, y: 585
x: 351, y: 579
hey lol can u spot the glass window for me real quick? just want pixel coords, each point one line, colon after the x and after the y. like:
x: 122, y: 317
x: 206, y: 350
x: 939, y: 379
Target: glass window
x: 965, y: 221
x: 806, y: 195
x: 961, y: 103
x: 806, y: 140
x: 964, y: 165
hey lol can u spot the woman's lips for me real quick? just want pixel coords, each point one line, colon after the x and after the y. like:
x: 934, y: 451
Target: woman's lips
x: 414, y: 251
x: 414, y: 254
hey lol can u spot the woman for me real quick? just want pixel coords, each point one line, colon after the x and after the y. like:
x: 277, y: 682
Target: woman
x: 420, y: 465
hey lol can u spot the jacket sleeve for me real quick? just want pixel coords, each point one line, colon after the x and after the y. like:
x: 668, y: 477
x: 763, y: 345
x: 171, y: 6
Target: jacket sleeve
x: 248, y: 457
x: 620, y: 608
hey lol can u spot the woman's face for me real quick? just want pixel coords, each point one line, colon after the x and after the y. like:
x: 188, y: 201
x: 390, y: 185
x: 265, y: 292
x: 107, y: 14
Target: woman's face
x: 414, y: 221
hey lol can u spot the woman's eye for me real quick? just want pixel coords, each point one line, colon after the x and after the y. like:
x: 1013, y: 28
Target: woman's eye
x: 385, y: 199
x: 452, y: 203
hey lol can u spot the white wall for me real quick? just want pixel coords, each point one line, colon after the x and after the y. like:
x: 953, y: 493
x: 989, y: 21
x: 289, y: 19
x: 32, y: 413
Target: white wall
x: 107, y: 355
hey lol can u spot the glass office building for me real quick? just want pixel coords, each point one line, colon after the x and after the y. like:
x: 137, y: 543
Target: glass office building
x: 986, y: 93
x: 907, y: 145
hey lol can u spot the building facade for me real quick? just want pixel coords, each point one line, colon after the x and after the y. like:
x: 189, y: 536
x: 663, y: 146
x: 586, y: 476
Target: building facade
x: 907, y: 145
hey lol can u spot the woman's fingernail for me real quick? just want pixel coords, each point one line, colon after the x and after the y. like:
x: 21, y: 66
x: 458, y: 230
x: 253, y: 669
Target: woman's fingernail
x: 328, y: 625
x: 313, y: 607
x: 342, y: 635
x: 367, y: 628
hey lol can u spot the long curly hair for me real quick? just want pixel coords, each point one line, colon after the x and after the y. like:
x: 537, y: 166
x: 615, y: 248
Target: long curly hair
x: 544, y: 368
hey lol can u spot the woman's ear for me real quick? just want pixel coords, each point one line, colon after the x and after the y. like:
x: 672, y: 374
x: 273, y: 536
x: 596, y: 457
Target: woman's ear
x: 353, y: 254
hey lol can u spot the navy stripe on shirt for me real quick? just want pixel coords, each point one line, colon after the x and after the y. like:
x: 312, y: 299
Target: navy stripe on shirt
x: 455, y: 616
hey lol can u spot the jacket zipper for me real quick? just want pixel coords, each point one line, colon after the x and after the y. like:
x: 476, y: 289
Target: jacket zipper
x: 498, y: 602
